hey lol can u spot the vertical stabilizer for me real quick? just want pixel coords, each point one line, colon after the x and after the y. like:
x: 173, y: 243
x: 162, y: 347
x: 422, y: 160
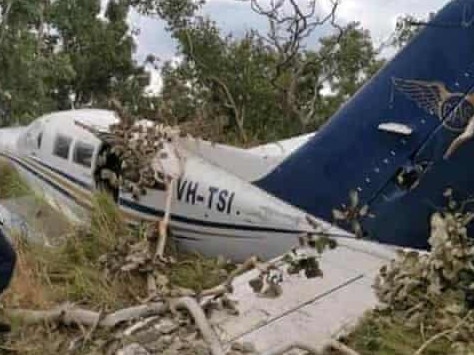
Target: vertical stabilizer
x: 396, y: 127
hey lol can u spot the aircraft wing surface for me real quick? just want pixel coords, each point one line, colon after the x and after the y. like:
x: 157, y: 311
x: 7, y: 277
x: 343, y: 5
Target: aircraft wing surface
x: 310, y: 311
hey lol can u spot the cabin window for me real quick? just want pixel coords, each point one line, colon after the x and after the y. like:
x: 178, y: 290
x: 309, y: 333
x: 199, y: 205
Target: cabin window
x: 40, y: 139
x: 61, y: 146
x: 83, y: 153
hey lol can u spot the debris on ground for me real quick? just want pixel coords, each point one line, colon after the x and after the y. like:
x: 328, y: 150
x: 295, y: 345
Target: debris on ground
x: 105, y: 291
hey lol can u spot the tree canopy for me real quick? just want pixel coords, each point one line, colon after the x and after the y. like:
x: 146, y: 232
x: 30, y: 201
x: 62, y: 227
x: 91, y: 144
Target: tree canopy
x: 253, y: 88
x: 261, y: 86
x: 61, y: 54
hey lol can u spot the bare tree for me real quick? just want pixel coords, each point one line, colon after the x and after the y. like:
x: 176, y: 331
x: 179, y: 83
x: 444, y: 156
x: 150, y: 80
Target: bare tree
x: 290, y: 25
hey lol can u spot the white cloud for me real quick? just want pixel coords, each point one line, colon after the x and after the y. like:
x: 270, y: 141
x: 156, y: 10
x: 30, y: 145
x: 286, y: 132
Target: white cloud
x: 380, y: 16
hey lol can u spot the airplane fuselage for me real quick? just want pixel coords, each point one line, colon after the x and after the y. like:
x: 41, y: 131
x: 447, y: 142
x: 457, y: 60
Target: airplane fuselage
x: 212, y: 211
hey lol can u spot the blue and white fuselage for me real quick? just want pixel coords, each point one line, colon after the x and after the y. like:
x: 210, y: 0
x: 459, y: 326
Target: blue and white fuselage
x: 213, y: 210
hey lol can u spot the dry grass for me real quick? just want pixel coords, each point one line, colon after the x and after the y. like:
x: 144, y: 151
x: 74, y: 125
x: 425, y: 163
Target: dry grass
x: 27, y: 289
x: 72, y: 270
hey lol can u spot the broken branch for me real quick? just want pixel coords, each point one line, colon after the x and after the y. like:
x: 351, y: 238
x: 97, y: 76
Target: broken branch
x: 68, y: 314
x: 189, y: 304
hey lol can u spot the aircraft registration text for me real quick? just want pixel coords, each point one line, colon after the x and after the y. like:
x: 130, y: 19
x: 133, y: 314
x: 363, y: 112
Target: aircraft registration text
x: 213, y: 198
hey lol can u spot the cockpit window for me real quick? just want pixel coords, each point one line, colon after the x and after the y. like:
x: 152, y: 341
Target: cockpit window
x: 61, y: 146
x: 83, y: 153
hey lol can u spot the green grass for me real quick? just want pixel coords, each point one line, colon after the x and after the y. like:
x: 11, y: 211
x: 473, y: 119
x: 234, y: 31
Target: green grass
x: 379, y: 333
x: 70, y: 272
x: 192, y: 271
x: 11, y: 184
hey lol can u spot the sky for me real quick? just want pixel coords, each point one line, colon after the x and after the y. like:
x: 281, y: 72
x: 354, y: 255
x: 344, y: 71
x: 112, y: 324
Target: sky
x: 236, y: 16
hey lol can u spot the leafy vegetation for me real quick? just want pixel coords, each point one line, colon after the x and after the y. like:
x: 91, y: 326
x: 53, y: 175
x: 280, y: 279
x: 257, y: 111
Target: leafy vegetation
x: 261, y: 87
x: 427, y: 298
x: 61, y: 54
x: 380, y: 333
x: 253, y: 88
x: 71, y: 272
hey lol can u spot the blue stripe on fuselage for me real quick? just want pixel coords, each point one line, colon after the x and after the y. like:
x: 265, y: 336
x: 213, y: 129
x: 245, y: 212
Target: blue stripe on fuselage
x: 154, y: 212
x: 40, y: 176
x: 64, y: 175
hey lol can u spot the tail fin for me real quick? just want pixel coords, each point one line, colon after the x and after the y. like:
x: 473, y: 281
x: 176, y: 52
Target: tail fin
x: 426, y: 89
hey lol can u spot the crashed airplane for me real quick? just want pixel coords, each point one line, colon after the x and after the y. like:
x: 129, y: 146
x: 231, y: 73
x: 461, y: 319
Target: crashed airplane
x: 380, y: 165
x: 214, y: 210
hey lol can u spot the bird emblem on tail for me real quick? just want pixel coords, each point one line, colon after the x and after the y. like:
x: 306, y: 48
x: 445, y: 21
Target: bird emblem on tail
x: 455, y: 110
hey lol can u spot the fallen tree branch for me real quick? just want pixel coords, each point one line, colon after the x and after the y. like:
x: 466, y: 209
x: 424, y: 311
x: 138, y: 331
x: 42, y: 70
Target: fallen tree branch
x: 342, y: 348
x: 151, y: 286
x: 432, y: 340
x: 68, y: 314
x: 190, y: 305
x: 92, y: 329
x: 226, y: 286
x: 442, y: 334
x: 163, y: 224
x: 246, y: 266
x: 138, y: 326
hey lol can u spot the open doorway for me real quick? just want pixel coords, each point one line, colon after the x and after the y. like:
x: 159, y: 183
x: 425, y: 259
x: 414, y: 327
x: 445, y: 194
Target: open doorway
x: 108, y: 171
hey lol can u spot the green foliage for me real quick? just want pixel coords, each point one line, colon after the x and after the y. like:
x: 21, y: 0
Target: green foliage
x: 378, y: 333
x: 426, y: 297
x: 194, y: 272
x: 405, y: 30
x: 246, y: 90
x: 349, y: 60
x: 436, y: 281
x: 175, y: 12
x: 52, y: 51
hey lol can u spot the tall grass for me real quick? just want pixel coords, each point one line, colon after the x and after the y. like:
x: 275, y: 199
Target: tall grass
x: 11, y: 184
x: 72, y: 272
